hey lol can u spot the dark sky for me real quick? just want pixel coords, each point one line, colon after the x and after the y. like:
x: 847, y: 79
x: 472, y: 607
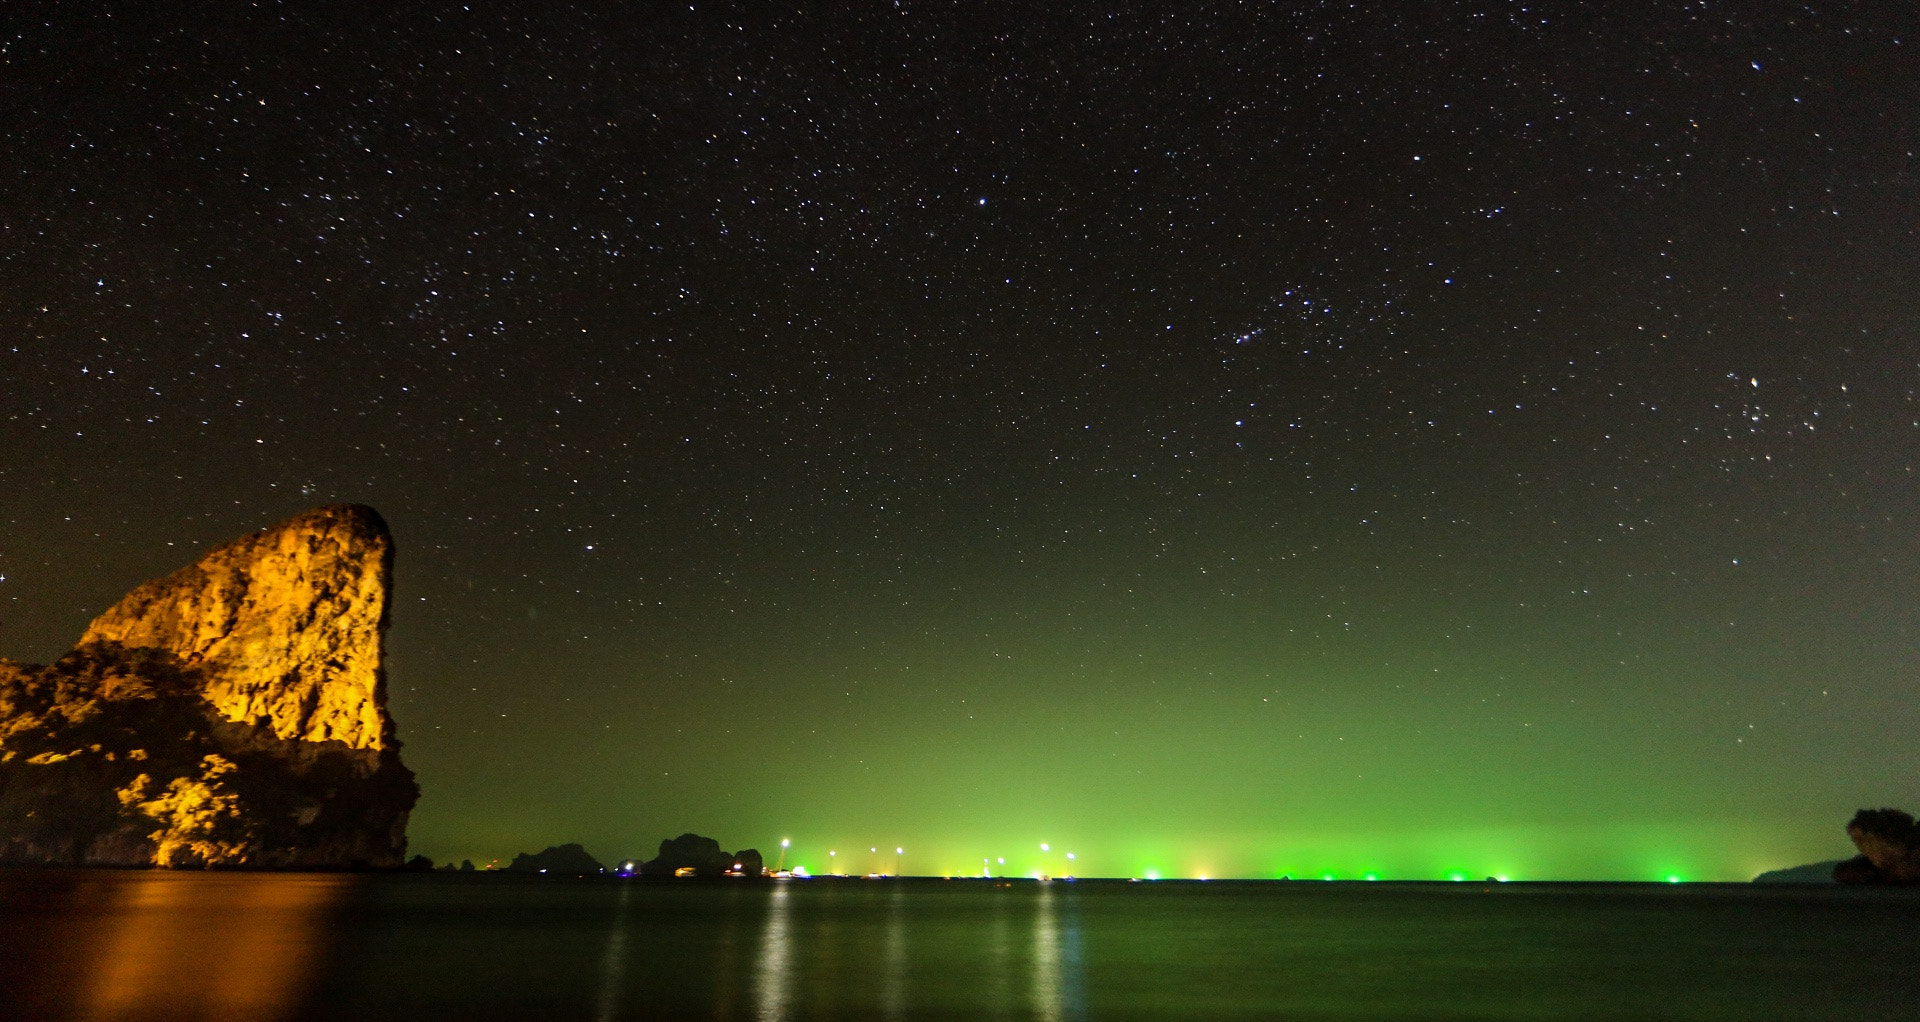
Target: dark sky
x: 1240, y: 439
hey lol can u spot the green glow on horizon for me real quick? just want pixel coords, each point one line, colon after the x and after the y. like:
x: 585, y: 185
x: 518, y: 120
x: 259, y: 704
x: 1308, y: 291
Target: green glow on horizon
x: 880, y: 860
x: 1282, y: 811
x: 1495, y: 855
x: 1055, y: 864
x: 982, y: 836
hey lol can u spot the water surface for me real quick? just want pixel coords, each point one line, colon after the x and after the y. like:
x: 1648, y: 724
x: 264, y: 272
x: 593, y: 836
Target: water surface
x: 155, y: 945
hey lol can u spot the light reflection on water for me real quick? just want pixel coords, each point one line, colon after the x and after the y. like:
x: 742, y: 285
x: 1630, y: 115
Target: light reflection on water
x: 774, y: 981
x: 1056, y: 960
x: 221, y: 946
x: 893, y: 984
x: 130, y: 946
x: 613, y: 968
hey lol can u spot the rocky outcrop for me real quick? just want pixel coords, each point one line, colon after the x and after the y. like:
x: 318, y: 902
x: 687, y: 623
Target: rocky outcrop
x: 566, y: 860
x: 1889, y: 843
x: 284, y: 625
x: 702, y: 855
x: 748, y: 862
x: 230, y: 714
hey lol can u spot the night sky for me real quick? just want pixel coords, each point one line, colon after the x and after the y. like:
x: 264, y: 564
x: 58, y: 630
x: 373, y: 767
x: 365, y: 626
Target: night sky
x: 1237, y: 440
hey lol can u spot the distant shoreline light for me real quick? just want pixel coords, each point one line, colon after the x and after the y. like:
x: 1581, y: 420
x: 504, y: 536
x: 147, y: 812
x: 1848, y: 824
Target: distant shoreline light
x: 1048, y: 860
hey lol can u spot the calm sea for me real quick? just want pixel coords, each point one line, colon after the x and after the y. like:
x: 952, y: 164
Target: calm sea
x: 139, y: 945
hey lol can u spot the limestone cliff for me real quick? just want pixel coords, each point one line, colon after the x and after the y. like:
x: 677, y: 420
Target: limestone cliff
x: 285, y: 625
x: 232, y: 713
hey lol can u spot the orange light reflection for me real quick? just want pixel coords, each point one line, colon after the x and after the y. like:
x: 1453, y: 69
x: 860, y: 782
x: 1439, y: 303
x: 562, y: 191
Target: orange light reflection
x: 208, y: 945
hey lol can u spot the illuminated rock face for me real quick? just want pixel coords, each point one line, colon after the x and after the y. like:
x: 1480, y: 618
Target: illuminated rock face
x: 285, y: 625
x: 230, y: 714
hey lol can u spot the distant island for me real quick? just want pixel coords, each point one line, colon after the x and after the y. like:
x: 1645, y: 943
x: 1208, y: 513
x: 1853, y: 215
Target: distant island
x: 693, y: 855
x: 231, y: 714
x: 688, y: 855
x: 562, y: 859
x: 1812, y: 873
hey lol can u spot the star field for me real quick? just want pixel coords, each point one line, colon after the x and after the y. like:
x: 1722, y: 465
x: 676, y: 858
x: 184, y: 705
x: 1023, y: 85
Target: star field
x: 1243, y: 439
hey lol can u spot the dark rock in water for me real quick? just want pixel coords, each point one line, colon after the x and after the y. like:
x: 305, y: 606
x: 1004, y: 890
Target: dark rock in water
x: 230, y: 714
x: 566, y: 859
x: 702, y: 855
x: 1889, y: 844
x: 749, y: 862
x: 1857, y: 870
x: 1812, y: 873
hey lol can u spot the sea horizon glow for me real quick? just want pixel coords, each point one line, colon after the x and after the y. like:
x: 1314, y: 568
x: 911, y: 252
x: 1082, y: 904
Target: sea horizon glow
x: 1688, y: 852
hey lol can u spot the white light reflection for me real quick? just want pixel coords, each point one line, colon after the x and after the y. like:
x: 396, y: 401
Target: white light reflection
x: 1056, y: 961
x: 893, y: 991
x: 775, y: 982
x: 613, y: 965
x: 1046, y: 959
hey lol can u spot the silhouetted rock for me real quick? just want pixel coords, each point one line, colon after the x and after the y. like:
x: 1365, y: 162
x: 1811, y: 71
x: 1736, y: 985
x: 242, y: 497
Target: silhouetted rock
x: 1889, y: 844
x: 230, y: 714
x: 1813, y: 873
x: 564, y: 859
x: 749, y: 862
x: 1857, y: 870
x: 703, y: 855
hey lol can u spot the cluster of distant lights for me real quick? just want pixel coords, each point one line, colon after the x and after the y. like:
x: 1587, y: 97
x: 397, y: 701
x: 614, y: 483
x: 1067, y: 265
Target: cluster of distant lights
x: 987, y: 864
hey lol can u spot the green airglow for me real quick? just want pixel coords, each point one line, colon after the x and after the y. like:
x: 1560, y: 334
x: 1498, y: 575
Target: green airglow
x: 1116, y: 782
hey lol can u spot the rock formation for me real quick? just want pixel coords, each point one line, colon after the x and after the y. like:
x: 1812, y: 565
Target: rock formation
x: 750, y: 862
x: 1889, y: 843
x: 232, y: 713
x: 285, y: 626
x: 703, y: 855
x: 569, y: 860
x: 1811, y: 873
